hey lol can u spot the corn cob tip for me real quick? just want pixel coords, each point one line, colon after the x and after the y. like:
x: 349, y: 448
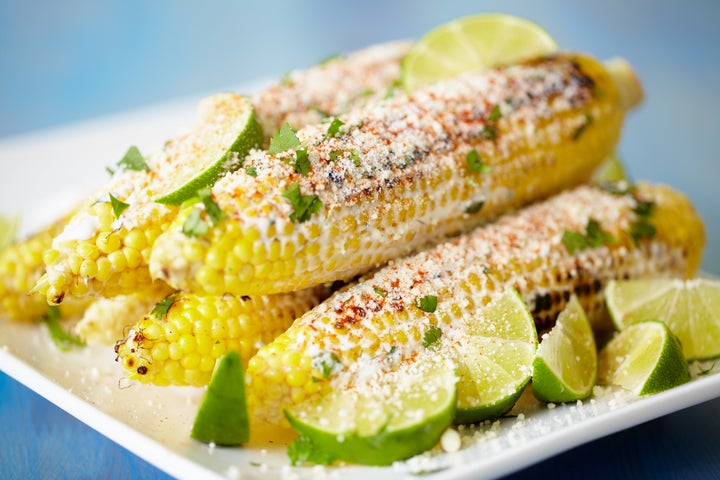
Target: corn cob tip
x: 628, y: 84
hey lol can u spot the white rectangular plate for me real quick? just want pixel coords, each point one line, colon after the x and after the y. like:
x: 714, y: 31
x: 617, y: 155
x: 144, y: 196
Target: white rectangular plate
x: 154, y: 422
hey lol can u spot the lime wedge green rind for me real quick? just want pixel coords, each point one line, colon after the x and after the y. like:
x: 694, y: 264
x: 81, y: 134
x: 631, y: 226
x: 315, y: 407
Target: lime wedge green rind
x: 565, y: 365
x: 473, y: 42
x: 690, y: 308
x: 223, y: 416
x: 495, y: 359
x: 8, y: 230
x: 378, y: 426
x: 645, y: 358
x: 217, y: 157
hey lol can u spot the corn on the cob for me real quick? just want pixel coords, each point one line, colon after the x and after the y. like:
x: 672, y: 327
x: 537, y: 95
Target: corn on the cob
x: 399, y: 174
x: 21, y: 266
x: 377, y: 323
x: 333, y: 87
x: 108, y: 319
x: 179, y: 341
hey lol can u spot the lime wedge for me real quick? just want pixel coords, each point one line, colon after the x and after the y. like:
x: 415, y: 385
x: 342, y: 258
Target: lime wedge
x: 8, y: 230
x: 645, y: 358
x: 227, y: 131
x: 223, y: 416
x: 494, y: 357
x: 396, y: 415
x: 690, y: 308
x: 565, y: 366
x: 470, y: 43
x: 609, y: 171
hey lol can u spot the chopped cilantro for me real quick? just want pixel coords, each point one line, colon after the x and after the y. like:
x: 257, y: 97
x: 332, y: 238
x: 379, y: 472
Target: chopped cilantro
x: 117, y: 206
x: 302, y: 161
x: 474, y: 207
x: 110, y: 171
x: 213, y: 210
x: 325, y: 363
x: 489, y: 132
x: 355, y: 157
x: 318, y: 110
x: 284, y: 139
x: 303, y: 205
x: 644, y: 208
x: 330, y: 58
x: 640, y: 229
x: 286, y: 79
x: 475, y: 164
x: 593, y: 237
x: 60, y: 337
x: 579, y: 130
x: 431, y: 336
x: 334, y: 127
x: 392, y: 89
x: 367, y: 92
x: 428, y: 303
x: 251, y: 171
x: 495, y: 114
x: 194, y: 225
x: 303, y: 450
x: 133, y: 160
x: 380, y: 291
x: 163, y: 306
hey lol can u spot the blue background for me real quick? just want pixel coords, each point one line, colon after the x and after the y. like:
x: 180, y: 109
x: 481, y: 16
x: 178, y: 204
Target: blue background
x: 73, y: 60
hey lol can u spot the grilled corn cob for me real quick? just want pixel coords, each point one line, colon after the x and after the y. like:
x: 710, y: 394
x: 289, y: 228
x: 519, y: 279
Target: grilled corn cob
x: 21, y: 265
x: 572, y: 243
x: 105, y: 255
x: 179, y: 341
x: 384, y: 180
x: 108, y: 319
x: 335, y: 86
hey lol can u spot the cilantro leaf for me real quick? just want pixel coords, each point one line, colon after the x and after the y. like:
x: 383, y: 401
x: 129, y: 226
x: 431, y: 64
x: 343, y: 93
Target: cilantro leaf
x: 334, y: 128
x: 117, y: 206
x: 319, y: 111
x: 474, y: 207
x: 495, y: 114
x: 579, y: 130
x: 251, y: 171
x: 431, y: 336
x: 163, y: 306
x: 302, y: 161
x: 489, y: 132
x: 355, y: 157
x: 574, y: 241
x: 60, y: 337
x: 640, y: 229
x: 133, y: 160
x: 325, y: 362
x: 194, y: 225
x: 284, y: 139
x: 303, y: 450
x: 330, y: 58
x: 595, y: 235
x: 474, y: 163
x: 392, y: 89
x: 644, y: 208
x: 380, y: 291
x: 304, y: 206
x: 213, y: 209
x: 428, y: 303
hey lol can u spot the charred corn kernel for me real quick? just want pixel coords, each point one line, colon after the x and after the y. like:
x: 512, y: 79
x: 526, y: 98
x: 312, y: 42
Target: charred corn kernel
x: 108, y: 319
x: 180, y: 347
x: 377, y: 323
x: 306, y: 96
x: 21, y: 266
x: 436, y: 163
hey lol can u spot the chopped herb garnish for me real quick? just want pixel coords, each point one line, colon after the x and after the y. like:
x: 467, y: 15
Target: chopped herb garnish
x: 211, y: 208
x: 334, y: 128
x: 318, y: 110
x: 474, y: 207
x: 380, y: 291
x: 163, y: 306
x: 251, y: 171
x: 355, y: 157
x: 303, y: 450
x: 489, y: 132
x: 194, y: 225
x: 431, y: 336
x: 593, y: 237
x: 640, y: 229
x: 117, y: 206
x: 330, y: 58
x: 393, y: 89
x: 284, y: 139
x: 133, y: 160
x: 302, y: 161
x: 60, y: 337
x: 325, y: 363
x: 621, y: 187
x: 392, y: 350
x: 475, y: 164
x: 110, y: 171
x: 495, y: 114
x: 644, y: 208
x: 367, y: 92
x: 579, y: 130
x: 428, y: 303
x: 303, y: 205
x: 286, y: 79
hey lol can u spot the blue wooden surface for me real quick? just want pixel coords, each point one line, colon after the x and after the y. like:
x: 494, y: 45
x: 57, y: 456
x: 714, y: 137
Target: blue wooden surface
x: 65, y: 61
